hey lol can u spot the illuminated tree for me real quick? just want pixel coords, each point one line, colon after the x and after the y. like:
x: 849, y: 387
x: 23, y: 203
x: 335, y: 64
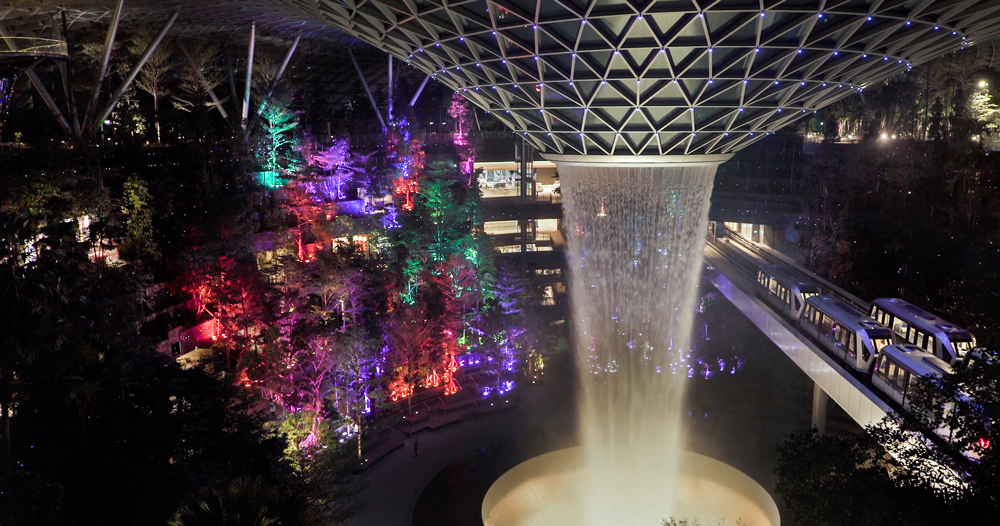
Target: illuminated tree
x: 231, y: 292
x: 407, y: 335
x: 459, y: 111
x: 278, y: 120
x: 154, y: 75
x: 199, y: 74
x: 340, y: 164
x: 984, y: 111
x: 138, y: 243
x: 499, y: 331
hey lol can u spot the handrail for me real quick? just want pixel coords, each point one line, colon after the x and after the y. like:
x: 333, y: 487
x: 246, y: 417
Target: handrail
x: 33, y: 46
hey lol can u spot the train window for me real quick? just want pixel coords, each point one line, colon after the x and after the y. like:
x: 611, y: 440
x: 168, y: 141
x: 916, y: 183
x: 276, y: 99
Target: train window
x: 772, y: 286
x: 890, y: 373
x: 900, y: 327
x: 902, y: 375
x: 826, y: 325
x: 881, y: 366
x: 851, y: 349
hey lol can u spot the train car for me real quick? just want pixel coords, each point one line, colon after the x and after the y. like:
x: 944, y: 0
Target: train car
x: 844, y: 330
x: 784, y: 289
x: 915, y: 326
x: 899, y: 369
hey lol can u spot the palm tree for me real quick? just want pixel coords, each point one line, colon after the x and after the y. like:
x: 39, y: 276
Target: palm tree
x: 246, y: 501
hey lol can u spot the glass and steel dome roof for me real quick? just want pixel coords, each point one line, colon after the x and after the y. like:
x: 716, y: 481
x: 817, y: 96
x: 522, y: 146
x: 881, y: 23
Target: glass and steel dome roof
x: 660, y: 77
x: 611, y: 77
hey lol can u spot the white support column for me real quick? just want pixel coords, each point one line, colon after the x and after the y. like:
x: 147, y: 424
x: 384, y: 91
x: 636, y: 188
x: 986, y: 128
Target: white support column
x: 390, y: 88
x: 364, y: 84
x: 109, y: 42
x: 246, y: 91
x: 135, y: 71
x: 820, y: 399
x: 284, y: 63
x: 211, y: 92
x: 419, y: 90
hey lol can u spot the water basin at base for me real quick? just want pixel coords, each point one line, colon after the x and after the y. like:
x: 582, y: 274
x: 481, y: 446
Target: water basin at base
x: 545, y: 491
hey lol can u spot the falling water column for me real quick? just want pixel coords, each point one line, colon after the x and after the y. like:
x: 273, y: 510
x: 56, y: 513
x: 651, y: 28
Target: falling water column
x: 636, y: 230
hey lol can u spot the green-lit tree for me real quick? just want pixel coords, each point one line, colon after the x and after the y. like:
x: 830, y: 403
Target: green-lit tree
x: 277, y: 122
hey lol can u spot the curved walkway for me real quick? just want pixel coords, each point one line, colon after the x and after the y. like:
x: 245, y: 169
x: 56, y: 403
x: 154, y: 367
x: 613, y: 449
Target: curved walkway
x: 396, y: 480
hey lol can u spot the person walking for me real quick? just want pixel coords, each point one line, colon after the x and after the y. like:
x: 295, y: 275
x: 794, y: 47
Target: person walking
x: 416, y: 444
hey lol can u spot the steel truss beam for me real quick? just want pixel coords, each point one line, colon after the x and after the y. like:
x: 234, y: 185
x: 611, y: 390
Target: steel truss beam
x: 646, y: 77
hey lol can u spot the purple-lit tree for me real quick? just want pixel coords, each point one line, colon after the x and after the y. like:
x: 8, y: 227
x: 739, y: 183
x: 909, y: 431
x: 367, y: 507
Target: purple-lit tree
x: 340, y: 165
x: 499, y: 330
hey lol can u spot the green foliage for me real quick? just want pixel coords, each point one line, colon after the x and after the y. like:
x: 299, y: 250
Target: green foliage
x: 831, y: 480
x: 138, y: 243
x: 278, y: 120
x: 891, y: 478
x: 246, y: 501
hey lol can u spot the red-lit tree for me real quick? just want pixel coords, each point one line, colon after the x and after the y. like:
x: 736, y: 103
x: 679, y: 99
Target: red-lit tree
x: 233, y: 293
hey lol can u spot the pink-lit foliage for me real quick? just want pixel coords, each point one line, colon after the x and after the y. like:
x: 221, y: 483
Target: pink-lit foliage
x: 459, y: 111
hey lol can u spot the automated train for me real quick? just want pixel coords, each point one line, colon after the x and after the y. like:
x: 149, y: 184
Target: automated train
x: 919, y: 342
x: 894, y: 347
x: 915, y: 326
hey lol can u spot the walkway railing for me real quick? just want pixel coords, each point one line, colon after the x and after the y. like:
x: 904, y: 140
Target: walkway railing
x: 17, y: 46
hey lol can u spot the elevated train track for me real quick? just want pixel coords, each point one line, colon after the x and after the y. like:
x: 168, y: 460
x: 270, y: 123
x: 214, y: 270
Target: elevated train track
x: 737, y: 262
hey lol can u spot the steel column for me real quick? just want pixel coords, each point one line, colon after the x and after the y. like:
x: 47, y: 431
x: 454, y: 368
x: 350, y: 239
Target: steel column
x: 109, y: 42
x: 49, y: 101
x: 246, y: 91
x: 364, y: 84
x: 419, y: 90
x: 201, y: 77
x: 390, y: 88
x: 135, y: 71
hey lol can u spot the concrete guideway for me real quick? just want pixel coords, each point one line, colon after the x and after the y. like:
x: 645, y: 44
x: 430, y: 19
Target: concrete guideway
x: 830, y: 378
